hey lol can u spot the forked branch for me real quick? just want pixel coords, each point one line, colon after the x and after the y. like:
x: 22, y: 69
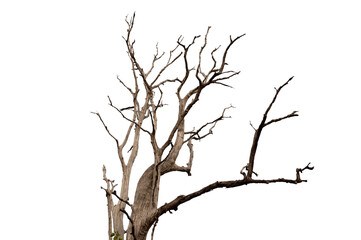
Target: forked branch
x: 263, y: 124
x: 195, y: 134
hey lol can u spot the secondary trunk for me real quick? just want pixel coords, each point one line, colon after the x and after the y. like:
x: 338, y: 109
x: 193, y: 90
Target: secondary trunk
x: 118, y: 216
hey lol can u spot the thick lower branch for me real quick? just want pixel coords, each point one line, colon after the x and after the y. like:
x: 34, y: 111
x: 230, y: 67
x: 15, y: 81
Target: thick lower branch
x: 173, y: 205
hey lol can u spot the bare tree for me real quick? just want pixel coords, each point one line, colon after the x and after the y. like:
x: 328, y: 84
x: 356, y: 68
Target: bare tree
x: 144, y: 211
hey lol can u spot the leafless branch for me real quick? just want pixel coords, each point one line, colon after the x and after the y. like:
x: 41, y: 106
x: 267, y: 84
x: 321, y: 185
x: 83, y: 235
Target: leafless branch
x: 199, y: 68
x: 195, y: 134
x: 293, y: 114
x: 122, y: 200
x: 233, y: 73
x: 126, y: 118
x: 246, y: 168
x: 169, y: 62
x: 214, y: 60
x: 300, y: 170
x: 130, y: 220
x: 106, y: 128
x: 109, y: 192
x: 153, y: 229
x: 131, y: 52
x: 278, y: 90
x: 250, y: 123
x: 187, y: 69
x: 156, y: 58
x: 166, y: 81
x: 226, y: 51
x: 187, y: 168
x: 110, y: 205
x: 173, y: 205
x: 263, y: 124
x: 202, y: 84
x: 128, y: 88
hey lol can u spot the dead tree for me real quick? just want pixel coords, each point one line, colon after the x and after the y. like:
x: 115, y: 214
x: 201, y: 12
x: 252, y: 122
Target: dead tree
x: 144, y: 211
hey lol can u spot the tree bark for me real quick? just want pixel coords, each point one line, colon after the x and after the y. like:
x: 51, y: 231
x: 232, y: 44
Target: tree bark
x: 144, y: 207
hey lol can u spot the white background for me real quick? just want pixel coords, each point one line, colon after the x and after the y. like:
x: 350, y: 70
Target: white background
x: 59, y: 60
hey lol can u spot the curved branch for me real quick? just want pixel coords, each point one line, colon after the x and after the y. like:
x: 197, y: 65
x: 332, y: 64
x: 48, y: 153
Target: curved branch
x: 173, y: 205
x: 226, y: 51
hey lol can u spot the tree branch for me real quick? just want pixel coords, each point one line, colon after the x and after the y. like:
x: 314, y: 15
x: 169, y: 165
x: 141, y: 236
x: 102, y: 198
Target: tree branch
x: 169, y: 62
x: 173, y: 205
x: 195, y: 134
x: 263, y: 124
x: 183, y: 106
x: 131, y: 52
x: 153, y: 229
x: 126, y: 118
x: 226, y: 51
x: 106, y: 128
x: 186, y: 49
x: 156, y: 58
x: 128, y: 88
x: 187, y: 168
x: 293, y: 114
x: 122, y: 200
x: 199, y: 68
x: 110, y: 205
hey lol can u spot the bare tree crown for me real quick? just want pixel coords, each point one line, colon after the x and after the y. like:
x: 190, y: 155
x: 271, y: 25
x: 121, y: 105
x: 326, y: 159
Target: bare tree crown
x: 144, y: 210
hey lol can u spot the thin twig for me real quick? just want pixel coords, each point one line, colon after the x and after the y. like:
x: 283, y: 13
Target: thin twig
x: 106, y: 128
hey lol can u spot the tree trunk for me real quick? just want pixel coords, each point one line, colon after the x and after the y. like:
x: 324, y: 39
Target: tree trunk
x: 144, y: 207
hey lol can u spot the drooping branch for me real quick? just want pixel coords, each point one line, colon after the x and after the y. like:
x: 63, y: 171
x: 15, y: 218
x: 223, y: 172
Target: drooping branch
x: 174, y: 204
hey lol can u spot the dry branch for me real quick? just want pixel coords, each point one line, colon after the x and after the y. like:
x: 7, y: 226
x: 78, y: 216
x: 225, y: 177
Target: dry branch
x: 110, y: 205
x: 174, y: 204
x: 263, y: 124
x: 106, y: 128
x: 195, y: 134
